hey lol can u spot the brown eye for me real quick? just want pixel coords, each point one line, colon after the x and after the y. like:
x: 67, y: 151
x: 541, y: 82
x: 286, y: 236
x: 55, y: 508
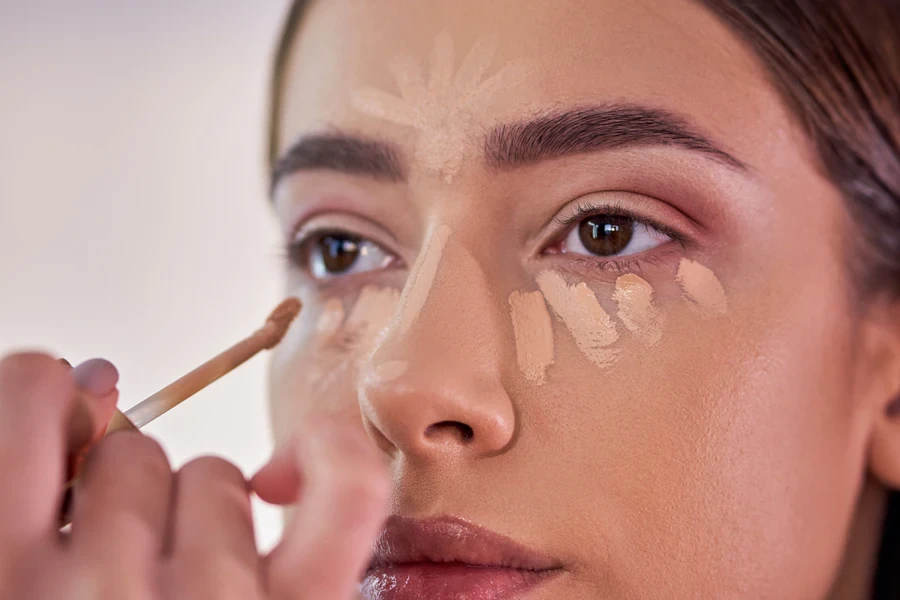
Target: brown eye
x: 606, y: 235
x: 338, y: 252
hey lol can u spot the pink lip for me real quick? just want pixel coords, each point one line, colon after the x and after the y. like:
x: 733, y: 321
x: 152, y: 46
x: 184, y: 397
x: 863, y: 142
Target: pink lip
x: 448, y: 558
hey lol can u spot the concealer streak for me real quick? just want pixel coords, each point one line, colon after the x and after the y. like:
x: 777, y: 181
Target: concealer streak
x: 534, y: 334
x: 422, y: 278
x: 589, y: 324
x: 702, y: 289
x: 443, y: 108
x: 636, y: 309
x: 331, y: 319
x: 372, y: 313
x: 390, y: 371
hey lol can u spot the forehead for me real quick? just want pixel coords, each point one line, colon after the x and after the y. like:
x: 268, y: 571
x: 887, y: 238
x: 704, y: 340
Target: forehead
x: 669, y: 54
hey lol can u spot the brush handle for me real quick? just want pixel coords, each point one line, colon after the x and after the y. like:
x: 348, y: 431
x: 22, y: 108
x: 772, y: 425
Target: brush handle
x: 180, y: 390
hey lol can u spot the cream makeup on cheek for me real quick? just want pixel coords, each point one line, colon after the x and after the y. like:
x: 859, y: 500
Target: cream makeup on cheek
x: 702, y: 289
x: 372, y: 314
x: 332, y: 317
x: 591, y: 326
x: 637, y: 310
x: 533, y: 330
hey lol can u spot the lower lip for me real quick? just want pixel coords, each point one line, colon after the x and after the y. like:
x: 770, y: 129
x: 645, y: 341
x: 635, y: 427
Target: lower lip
x: 450, y: 582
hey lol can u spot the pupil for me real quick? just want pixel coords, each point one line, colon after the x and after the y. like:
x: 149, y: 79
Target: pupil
x: 606, y: 235
x: 339, y: 252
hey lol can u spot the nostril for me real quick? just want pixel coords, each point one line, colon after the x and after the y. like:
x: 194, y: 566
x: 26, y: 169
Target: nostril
x: 461, y: 430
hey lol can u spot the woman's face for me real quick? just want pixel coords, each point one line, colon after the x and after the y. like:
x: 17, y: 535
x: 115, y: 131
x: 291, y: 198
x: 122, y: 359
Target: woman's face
x: 571, y: 266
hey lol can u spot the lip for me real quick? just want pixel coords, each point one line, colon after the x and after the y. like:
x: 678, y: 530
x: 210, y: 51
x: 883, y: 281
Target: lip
x: 448, y: 558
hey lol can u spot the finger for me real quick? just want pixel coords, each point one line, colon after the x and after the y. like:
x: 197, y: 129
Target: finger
x: 213, y: 550
x: 328, y: 542
x: 99, y: 378
x: 122, y: 503
x: 279, y: 481
x: 36, y: 399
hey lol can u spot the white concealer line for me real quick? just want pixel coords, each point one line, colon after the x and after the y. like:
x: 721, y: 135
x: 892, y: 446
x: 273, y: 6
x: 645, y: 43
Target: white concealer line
x: 702, y: 289
x: 589, y: 324
x: 636, y: 308
x: 533, y: 330
x: 422, y: 278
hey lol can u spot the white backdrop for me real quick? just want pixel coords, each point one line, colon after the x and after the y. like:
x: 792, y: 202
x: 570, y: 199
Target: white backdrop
x: 133, y: 218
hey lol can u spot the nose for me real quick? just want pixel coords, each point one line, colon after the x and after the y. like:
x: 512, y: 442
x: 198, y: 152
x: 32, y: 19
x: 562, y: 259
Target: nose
x: 433, y: 390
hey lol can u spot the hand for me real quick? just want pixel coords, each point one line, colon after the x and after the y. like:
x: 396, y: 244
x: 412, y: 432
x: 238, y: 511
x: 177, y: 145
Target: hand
x: 141, y: 531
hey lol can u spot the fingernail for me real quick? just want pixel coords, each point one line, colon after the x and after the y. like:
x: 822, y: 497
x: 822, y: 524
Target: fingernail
x: 97, y: 376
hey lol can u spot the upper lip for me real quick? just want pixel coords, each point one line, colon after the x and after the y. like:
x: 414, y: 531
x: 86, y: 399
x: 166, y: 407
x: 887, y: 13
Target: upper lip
x: 452, y: 540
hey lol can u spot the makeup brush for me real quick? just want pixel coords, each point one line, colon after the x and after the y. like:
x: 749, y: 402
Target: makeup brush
x: 265, y: 338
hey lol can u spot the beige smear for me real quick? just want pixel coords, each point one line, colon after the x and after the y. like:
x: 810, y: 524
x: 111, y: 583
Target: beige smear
x: 702, y: 288
x: 391, y: 371
x: 589, y: 324
x: 443, y: 107
x: 636, y: 309
x: 331, y: 318
x: 372, y: 313
x: 534, y: 334
x: 421, y: 278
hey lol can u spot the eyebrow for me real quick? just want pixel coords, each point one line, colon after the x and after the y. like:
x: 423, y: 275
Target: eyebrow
x: 340, y: 152
x: 592, y: 129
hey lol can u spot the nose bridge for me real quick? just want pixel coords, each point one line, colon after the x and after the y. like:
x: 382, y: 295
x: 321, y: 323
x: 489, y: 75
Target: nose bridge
x: 436, y: 377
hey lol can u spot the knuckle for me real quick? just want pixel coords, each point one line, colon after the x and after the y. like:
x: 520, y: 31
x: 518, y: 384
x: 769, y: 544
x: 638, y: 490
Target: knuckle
x: 142, y: 453
x: 32, y: 372
x: 213, y: 467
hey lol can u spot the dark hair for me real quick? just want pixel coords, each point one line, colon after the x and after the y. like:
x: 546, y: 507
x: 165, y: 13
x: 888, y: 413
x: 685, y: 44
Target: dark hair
x: 836, y: 64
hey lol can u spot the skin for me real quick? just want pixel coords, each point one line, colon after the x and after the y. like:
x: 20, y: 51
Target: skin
x: 741, y: 455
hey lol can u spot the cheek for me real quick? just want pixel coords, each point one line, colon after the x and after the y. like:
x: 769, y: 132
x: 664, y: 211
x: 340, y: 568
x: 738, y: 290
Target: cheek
x: 315, y: 368
x: 733, y: 436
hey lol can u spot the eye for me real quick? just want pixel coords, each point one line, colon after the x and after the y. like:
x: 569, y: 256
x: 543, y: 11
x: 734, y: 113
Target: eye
x: 612, y: 235
x: 335, y: 254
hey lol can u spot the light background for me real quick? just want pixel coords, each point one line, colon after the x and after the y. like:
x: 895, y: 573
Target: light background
x: 133, y: 215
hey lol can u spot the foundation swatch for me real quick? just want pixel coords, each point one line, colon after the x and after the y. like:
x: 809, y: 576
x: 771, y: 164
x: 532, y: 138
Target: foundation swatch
x: 421, y: 278
x: 534, y: 334
x: 636, y: 308
x: 589, y: 324
x: 441, y: 106
x: 702, y: 288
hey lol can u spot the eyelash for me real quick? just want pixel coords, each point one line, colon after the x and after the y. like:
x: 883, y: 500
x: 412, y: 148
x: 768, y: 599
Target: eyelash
x: 577, y: 262
x: 618, y: 266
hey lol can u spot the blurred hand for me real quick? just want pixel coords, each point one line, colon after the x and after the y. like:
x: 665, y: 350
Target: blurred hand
x: 142, y: 531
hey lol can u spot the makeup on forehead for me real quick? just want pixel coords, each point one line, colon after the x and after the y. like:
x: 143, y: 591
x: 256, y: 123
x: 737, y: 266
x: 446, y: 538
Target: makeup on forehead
x: 507, y: 146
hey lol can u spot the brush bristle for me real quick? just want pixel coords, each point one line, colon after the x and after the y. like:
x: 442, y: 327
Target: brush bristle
x: 282, y: 317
